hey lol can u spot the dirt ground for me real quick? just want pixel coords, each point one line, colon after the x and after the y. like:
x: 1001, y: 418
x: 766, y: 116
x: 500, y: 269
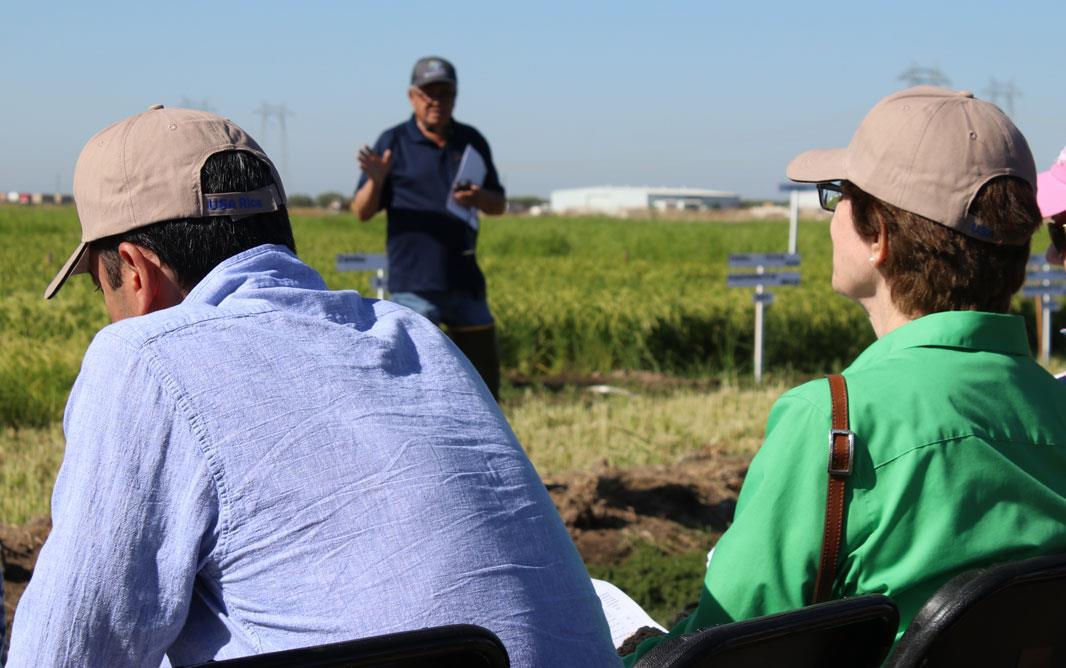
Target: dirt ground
x: 21, y: 545
x: 674, y: 507
x: 678, y: 508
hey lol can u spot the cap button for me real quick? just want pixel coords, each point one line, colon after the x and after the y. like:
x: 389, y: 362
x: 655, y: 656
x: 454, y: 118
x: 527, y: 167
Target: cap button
x: 154, y: 107
x: 966, y: 93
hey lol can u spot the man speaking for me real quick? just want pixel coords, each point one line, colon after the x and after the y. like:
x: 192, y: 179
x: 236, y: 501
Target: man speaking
x: 415, y: 171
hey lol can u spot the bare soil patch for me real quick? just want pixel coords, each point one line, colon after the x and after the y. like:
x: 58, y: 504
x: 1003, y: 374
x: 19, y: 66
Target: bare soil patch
x: 21, y: 545
x: 679, y: 508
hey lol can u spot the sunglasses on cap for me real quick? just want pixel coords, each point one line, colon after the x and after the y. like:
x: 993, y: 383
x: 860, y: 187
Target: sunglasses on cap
x: 829, y: 194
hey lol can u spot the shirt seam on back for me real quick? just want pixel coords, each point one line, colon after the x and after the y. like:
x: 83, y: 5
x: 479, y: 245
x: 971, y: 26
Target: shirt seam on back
x: 959, y: 437
x: 152, y: 339
x: 213, y: 466
x: 158, y: 368
x: 199, y: 429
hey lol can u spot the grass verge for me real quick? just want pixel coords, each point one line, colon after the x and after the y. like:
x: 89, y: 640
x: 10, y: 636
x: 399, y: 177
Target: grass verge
x: 663, y: 584
x: 570, y: 430
x: 577, y: 429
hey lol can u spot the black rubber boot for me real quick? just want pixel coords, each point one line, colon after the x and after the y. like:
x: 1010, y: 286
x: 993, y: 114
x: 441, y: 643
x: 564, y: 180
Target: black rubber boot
x: 483, y: 350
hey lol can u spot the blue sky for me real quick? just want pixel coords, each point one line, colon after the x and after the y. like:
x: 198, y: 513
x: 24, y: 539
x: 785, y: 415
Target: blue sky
x: 702, y: 94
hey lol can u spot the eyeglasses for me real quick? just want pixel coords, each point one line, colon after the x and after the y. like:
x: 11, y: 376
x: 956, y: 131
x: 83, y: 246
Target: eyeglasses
x: 437, y: 93
x: 829, y: 194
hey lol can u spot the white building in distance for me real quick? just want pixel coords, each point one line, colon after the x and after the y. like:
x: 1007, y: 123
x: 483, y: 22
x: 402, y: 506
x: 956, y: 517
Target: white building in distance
x: 617, y: 200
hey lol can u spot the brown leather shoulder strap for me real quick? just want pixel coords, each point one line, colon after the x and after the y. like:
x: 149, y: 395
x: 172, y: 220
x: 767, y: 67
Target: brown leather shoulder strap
x: 841, y: 454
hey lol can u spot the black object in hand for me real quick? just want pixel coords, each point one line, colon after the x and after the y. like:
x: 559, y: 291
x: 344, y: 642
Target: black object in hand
x: 463, y: 186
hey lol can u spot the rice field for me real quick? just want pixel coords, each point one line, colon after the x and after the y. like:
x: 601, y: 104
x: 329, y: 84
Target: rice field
x: 573, y: 297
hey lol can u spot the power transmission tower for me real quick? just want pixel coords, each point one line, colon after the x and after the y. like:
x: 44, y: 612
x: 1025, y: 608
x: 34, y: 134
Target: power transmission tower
x: 202, y: 105
x: 278, y: 113
x: 918, y: 75
x: 1003, y: 90
x: 264, y: 112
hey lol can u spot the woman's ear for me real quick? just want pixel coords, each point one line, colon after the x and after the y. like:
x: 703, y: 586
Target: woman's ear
x: 879, y: 248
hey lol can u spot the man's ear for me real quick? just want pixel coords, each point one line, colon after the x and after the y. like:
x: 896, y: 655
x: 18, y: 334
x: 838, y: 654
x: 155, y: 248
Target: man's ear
x: 151, y: 284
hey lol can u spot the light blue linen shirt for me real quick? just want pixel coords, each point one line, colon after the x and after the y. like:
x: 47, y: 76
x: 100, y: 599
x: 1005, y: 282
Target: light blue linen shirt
x: 270, y: 465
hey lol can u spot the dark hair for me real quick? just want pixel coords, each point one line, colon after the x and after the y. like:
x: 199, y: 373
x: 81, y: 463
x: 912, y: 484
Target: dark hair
x: 192, y: 247
x: 932, y: 268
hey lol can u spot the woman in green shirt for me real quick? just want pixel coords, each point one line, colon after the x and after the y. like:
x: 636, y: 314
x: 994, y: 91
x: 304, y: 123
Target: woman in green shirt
x: 960, y: 436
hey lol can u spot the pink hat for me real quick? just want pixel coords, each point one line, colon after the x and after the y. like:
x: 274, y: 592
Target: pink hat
x: 1051, y: 188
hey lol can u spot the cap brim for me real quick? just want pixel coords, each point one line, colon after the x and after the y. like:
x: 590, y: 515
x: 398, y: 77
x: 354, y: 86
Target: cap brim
x: 77, y: 263
x: 432, y: 80
x: 818, y: 166
x: 1050, y: 194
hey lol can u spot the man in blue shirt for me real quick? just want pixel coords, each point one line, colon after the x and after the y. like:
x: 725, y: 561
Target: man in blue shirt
x: 254, y: 462
x: 411, y: 173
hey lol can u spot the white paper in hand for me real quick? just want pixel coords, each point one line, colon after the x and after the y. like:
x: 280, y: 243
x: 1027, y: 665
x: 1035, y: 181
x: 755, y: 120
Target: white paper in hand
x: 624, y: 615
x: 472, y: 169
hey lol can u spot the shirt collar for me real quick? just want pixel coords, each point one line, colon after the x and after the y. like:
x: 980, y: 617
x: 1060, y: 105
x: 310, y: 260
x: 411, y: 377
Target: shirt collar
x: 416, y: 135
x: 264, y: 266
x: 969, y: 330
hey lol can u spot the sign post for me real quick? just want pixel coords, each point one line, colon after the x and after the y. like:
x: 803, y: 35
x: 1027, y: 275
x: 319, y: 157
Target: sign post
x: 760, y: 307
x: 363, y: 262
x: 794, y: 190
x: 759, y: 280
x: 1046, y: 283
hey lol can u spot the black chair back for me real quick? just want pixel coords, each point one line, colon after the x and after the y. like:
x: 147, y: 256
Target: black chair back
x: 1012, y: 614
x: 852, y: 632
x: 457, y: 646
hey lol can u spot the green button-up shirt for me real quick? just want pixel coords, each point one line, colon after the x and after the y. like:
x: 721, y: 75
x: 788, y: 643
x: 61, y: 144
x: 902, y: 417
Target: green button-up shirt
x: 960, y: 461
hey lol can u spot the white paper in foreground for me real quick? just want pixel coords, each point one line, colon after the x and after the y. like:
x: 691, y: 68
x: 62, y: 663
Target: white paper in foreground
x: 624, y: 615
x: 472, y: 169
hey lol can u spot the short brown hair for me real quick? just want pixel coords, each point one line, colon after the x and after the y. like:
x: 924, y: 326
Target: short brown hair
x: 932, y: 268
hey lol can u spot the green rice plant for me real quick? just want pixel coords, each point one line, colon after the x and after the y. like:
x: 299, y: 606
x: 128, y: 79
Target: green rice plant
x: 41, y: 343
x: 35, y: 378
x: 571, y: 296
x: 29, y: 460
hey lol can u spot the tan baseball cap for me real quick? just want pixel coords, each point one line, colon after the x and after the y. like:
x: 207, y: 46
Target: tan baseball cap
x: 146, y: 169
x: 929, y: 151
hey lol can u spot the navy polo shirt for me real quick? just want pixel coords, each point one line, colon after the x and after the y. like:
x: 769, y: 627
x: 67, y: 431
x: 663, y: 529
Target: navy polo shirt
x: 428, y: 247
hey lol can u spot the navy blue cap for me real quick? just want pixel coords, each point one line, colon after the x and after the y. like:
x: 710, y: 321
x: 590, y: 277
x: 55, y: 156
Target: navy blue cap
x: 433, y: 69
